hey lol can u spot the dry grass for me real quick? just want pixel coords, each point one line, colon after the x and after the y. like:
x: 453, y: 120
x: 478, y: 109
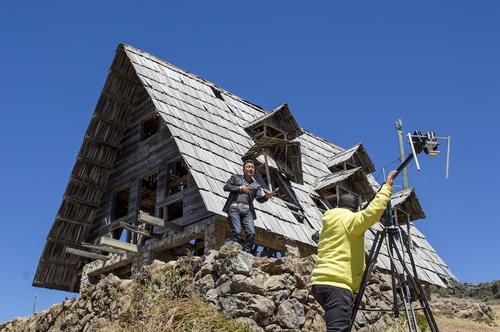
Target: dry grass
x: 496, y: 310
x: 156, y: 311
x: 446, y: 324
x: 185, y: 315
x: 401, y: 324
x: 463, y: 325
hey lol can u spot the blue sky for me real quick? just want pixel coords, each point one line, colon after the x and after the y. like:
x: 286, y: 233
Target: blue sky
x: 348, y: 70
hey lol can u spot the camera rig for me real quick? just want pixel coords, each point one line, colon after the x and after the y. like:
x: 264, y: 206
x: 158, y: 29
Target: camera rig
x: 391, y: 233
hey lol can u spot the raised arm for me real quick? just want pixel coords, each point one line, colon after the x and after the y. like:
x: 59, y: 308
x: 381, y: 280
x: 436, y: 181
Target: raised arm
x: 360, y: 221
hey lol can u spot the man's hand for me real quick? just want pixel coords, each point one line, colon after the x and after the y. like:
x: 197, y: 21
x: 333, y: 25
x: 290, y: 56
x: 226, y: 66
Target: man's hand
x: 390, y: 178
x: 269, y: 194
x: 245, y: 189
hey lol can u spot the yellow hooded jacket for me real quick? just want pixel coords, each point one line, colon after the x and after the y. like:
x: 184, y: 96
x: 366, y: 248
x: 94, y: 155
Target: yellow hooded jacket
x: 341, y: 248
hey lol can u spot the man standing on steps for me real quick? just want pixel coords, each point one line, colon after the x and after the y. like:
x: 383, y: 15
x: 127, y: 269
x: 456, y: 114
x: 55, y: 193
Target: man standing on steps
x: 340, y: 263
x: 243, y: 189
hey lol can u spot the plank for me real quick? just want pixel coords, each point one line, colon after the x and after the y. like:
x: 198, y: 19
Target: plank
x: 117, y: 244
x: 155, y: 221
x: 102, y: 248
x: 87, y: 254
x: 141, y: 231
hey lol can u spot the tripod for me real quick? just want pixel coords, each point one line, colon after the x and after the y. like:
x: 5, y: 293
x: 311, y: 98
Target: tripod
x: 391, y: 232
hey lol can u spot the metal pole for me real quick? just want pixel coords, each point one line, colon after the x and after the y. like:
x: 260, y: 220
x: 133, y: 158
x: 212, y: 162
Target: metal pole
x: 414, y: 152
x: 448, y: 157
x: 399, y: 128
x: 34, y: 305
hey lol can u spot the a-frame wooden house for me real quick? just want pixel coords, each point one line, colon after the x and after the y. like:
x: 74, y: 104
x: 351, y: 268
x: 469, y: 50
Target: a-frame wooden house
x: 147, y: 182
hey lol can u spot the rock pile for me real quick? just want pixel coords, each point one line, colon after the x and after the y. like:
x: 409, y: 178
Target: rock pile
x: 270, y: 294
x: 266, y: 294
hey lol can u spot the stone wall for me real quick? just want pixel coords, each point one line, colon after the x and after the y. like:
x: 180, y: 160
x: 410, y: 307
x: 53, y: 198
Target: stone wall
x: 267, y: 294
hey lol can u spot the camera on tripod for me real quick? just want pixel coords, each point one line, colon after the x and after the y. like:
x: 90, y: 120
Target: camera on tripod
x: 429, y: 144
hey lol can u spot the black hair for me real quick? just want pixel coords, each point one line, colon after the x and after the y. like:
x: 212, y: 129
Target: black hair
x: 248, y: 161
x: 349, y: 201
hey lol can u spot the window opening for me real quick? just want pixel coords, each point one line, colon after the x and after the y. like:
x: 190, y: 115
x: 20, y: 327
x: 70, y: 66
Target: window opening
x: 177, y: 176
x: 332, y: 195
x: 217, y: 92
x: 121, y: 199
x: 263, y: 251
x: 175, y: 210
x: 283, y: 190
x: 148, y: 185
x: 401, y: 216
x: 322, y: 204
x: 150, y: 126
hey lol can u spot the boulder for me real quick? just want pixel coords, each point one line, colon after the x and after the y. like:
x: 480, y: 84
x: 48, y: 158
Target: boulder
x: 290, y: 314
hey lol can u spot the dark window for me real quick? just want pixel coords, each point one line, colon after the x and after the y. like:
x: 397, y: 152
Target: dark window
x: 175, y: 210
x: 282, y: 188
x: 333, y: 193
x: 148, y: 187
x: 217, y: 92
x: 150, y: 126
x: 321, y: 203
x: 121, y: 203
x: 402, y: 216
x: 177, y: 176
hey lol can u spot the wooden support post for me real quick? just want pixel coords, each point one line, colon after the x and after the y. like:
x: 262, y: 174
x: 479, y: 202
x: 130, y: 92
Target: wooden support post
x: 117, y: 244
x: 87, y: 254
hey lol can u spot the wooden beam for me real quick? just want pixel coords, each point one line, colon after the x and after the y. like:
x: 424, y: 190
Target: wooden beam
x: 59, y: 263
x: 86, y: 183
x: 95, y: 163
x: 75, y: 222
x: 98, y: 141
x: 86, y: 254
x: 155, y: 221
x: 117, y: 244
x: 110, y: 122
x: 81, y: 202
x: 102, y: 248
x: 79, y: 180
x: 58, y: 240
x: 141, y: 231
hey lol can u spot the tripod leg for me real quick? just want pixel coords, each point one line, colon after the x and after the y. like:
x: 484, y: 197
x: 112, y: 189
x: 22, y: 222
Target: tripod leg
x: 394, y: 272
x: 405, y: 291
x: 372, y: 260
x: 420, y: 292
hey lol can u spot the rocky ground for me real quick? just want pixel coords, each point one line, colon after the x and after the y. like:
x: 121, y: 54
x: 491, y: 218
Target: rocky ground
x: 226, y: 290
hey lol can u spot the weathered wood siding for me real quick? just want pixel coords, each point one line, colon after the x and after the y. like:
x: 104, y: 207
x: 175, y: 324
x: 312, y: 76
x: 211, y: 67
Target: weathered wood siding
x: 137, y: 158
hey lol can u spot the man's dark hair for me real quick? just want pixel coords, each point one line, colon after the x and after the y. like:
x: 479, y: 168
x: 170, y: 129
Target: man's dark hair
x: 248, y: 161
x: 349, y: 201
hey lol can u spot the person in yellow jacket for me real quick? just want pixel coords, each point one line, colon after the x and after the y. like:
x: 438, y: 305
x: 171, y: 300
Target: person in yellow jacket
x: 340, y: 263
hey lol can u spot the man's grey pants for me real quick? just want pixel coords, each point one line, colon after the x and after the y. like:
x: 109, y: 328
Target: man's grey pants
x: 236, y: 217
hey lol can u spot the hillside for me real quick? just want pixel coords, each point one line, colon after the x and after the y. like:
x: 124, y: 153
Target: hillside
x: 488, y: 292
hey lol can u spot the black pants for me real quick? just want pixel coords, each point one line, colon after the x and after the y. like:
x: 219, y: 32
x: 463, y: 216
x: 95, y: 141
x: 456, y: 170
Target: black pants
x: 238, y: 217
x: 337, y: 304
